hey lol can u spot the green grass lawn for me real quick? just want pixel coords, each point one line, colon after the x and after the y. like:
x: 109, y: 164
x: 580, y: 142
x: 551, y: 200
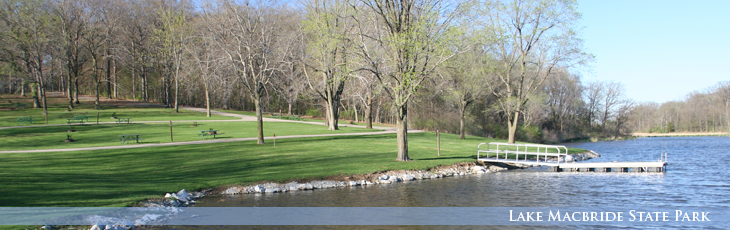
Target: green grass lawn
x: 124, y: 176
x: 51, y: 137
x: 58, y: 113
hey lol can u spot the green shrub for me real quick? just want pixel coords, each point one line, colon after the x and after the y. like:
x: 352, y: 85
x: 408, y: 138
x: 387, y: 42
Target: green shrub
x: 314, y: 113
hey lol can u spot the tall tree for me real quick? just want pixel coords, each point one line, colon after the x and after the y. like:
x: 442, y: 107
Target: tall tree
x: 72, y: 31
x: 329, y: 25
x: 30, y: 30
x: 414, y: 37
x: 172, y: 31
x: 532, y: 38
x: 249, y: 35
x: 464, y: 82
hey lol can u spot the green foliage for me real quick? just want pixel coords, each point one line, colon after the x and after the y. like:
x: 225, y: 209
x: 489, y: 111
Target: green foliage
x: 314, y: 113
x: 670, y: 127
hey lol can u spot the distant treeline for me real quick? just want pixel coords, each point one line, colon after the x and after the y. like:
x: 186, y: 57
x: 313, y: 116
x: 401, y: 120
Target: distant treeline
x: 707, y: 110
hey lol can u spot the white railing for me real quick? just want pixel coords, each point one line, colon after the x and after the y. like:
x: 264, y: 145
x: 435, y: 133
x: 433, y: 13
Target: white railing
x: 522, y: 151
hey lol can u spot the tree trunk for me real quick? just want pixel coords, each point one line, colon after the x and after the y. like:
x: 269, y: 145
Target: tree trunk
x: 290, y: 105
x: 108, y: 76
x: 177, y: 87
x: 462, y: 121
x: 69, y: 90
x: 332, y: 108
x: 41, y: 87
x: 369, y: 112
x: 22, y: 87
x: 402, y: 133
x: 207, y: 101
x: 76, y: 88
x: 259, y: 120
x: 114, y: 78
x: 512, y: 126
x: 144, y: 84
x: 357, y: 118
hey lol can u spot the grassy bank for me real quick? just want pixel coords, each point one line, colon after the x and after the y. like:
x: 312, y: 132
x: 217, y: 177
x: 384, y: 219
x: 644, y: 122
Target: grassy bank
x: 122, y: 177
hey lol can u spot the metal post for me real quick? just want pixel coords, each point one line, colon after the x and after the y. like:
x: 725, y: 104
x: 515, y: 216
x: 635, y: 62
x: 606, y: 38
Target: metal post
x: 274, y: 140
x: 97, y: 118
x: 171, y: 132
x: 46, y: 118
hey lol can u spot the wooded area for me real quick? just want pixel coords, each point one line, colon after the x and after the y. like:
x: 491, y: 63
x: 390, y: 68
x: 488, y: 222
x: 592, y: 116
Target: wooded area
x: 504, y: 69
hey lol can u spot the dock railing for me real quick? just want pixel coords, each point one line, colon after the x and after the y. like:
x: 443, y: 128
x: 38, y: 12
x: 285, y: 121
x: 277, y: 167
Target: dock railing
x: 500, y: 151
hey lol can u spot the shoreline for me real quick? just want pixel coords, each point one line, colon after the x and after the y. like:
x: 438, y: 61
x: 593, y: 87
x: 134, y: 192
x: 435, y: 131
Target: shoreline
x: 680, y: 134
x: 183, y: 198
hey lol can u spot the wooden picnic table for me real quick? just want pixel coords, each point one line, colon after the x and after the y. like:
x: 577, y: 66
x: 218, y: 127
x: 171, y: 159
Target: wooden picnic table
x: 207, y: 133
x: 124, y: 138
x: 23, y: 120
x: 19, y: 105
x: 122, y: 120
x: 276, y: 115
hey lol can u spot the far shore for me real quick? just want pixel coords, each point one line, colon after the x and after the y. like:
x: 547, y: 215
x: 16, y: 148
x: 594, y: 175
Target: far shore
x: 680, y: 134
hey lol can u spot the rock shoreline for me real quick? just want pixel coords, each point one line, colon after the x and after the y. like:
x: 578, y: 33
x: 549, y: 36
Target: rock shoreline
x: 183, y: 198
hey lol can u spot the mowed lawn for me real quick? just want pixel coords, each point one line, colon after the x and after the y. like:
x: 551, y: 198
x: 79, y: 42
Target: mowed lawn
x: 92, y: 135
x: 123, y: 177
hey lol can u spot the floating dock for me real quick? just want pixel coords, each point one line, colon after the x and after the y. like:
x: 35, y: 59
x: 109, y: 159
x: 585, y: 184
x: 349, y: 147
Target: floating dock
x: 557, y: 159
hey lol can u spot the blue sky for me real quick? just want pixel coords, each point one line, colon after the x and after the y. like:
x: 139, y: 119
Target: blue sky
x: 659, y: 50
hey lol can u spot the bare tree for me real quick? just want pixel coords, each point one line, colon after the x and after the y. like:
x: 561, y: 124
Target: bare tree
x: 464, y: 81
x: 593, y: 93
x: 171, y: 35
x: 72, y: 30
x: 413, y: 37
x: 248, y: 35
x: 329, y: 24
x: 30, y: 31
x: 612, y: 97
x: 202, y: 50
x: 533, y: 38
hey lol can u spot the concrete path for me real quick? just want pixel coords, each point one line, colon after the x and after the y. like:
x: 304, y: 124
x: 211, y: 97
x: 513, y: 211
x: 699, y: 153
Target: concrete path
x: 386, y: 130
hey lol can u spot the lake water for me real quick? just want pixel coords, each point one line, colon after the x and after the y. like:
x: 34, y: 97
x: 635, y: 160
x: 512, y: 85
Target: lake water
x: 696, y: 177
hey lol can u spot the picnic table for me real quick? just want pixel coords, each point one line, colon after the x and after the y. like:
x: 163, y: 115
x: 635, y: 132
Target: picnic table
x: 122, y: 120
x: 83, y: 117
x: 19, y: 105
x: 23, y: 120
x: 129, y: 137
x: 75, y: 120
x: 209, y: 133
x: 276, y: 115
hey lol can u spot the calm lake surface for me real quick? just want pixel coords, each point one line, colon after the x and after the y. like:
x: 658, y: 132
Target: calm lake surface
x: 696, y: 176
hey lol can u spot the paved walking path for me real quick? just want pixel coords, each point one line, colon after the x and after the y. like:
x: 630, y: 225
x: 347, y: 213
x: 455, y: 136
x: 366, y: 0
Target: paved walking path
x: 386, y: 130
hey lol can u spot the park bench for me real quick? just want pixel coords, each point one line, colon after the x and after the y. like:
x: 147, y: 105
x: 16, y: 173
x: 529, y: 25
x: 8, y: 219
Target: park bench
x: 209, y: 133
x: 276, y: 115
x: 19, y: 105
x: 121, y: 120
x: 75, y: 120
x: 24, y: 120
x: 129, y: 137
